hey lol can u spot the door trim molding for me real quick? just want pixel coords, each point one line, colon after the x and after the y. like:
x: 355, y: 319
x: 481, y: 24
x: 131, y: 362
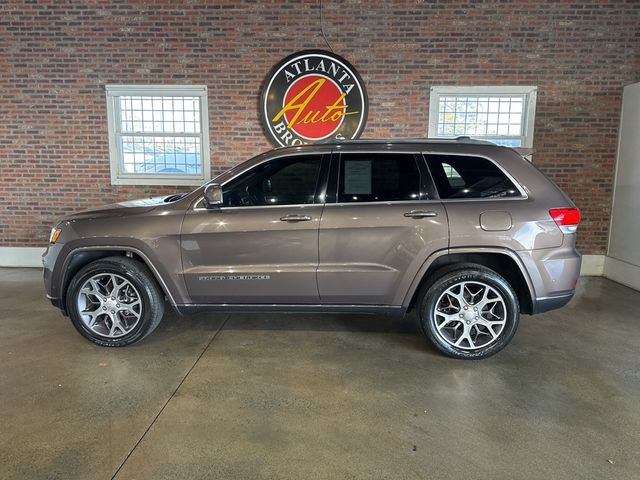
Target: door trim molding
x: 291, y: 308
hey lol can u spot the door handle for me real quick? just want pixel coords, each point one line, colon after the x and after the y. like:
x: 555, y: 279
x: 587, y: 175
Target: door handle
x: 295, y: 218
x: 420, y: 214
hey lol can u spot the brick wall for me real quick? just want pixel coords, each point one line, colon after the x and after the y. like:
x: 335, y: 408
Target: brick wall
x: 56, y: 57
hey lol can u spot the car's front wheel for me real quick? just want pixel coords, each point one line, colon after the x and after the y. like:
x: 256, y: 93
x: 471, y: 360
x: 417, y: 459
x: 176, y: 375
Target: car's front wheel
x: 469, y: 312
x: 115, y: 301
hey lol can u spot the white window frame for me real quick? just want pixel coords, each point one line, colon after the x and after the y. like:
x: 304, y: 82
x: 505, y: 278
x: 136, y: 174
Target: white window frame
x: 118, y: 177
x: 529, y: 93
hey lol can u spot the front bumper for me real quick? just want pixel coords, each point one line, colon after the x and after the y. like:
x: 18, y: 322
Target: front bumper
x: 49, y: 258
x: 58, y: 303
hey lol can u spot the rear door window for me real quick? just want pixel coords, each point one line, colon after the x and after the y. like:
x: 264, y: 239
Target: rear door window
x: 378, y: 177
x: 458, y: 176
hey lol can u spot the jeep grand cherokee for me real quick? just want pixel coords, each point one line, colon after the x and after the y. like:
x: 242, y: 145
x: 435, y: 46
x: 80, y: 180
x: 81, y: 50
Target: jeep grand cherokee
x: 468, y: 234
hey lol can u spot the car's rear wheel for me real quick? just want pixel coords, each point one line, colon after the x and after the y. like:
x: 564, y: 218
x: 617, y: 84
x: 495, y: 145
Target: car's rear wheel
x: 115, y: 301
x: 469, y: 311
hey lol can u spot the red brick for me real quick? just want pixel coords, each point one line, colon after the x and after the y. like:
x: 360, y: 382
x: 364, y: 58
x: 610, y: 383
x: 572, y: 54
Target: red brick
x: 55, y: 58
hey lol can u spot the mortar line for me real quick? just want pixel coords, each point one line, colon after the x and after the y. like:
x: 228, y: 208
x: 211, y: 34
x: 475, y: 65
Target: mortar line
x: 215, y: 335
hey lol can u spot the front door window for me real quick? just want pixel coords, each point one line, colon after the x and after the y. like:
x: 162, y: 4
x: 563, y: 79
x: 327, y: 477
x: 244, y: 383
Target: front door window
x: 283, y: 181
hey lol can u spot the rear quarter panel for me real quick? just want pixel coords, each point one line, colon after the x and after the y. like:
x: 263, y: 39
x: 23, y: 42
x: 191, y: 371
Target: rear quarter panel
x: 549, y: 256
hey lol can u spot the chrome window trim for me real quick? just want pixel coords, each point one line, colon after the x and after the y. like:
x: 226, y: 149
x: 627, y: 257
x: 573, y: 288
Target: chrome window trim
x: 479, y: 199
x: 433, y: 200
x: 343, y: 204
x: 383, y: 202
x: 296, y: 205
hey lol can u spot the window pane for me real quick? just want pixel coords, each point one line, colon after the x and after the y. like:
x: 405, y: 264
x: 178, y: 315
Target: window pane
x: 378, y: 177
x: 480, y: 116
x: 285, y: 181
x: 174, y: 155
x: 506, y: 142
x: 159, y: 114
x: 453, y: 177
x: 469, y: 177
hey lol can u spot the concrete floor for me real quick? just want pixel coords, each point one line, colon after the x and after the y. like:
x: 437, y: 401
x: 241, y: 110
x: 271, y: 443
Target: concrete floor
x: 304, y: 397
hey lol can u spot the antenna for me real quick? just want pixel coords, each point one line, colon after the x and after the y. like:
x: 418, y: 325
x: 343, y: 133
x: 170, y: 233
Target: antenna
x: 322, y: 30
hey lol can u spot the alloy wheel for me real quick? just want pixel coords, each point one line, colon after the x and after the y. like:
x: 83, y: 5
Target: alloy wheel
x: 470, y: 315
x: 109, y: 305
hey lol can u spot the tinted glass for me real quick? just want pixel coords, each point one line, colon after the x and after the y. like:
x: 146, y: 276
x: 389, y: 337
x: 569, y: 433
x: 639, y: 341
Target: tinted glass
x: 370, y: 177
x: 469, y: 177
x: 285, y: 181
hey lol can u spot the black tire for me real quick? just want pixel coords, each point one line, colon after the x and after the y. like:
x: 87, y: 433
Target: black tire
x: 138, y: 275
x: 452, y: 276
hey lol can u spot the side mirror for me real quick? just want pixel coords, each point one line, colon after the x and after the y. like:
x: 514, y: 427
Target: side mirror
x: 213, y: 195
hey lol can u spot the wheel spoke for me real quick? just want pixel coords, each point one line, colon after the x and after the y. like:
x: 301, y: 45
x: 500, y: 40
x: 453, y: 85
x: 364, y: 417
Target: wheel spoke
x: 489, y: 296
x: 448, y: 319
x: 115, y: 287
x: 473, y: 295
x: 114, y: 325
x: 129, y: 308
x: 492, y: 313
x: 95, y: 289
x: 465, y: 336
x: 483, y: 300
x: 459, y: 296
x: 94, y: 314
x: 492, y: 326
x: 450, y: 304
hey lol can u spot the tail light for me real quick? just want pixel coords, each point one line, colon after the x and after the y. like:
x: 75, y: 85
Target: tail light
x: 566, y: 218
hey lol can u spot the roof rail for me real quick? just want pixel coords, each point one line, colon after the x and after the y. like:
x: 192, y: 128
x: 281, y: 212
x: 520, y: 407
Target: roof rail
x: 462, y: 139
x: 466, y: 139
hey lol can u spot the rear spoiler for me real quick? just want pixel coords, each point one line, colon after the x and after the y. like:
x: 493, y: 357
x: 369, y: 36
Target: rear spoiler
x: 524, y: 152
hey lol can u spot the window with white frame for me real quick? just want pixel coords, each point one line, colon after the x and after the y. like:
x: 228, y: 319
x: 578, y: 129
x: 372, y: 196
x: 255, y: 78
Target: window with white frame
x: 158, y: 134
x: 500, y: 114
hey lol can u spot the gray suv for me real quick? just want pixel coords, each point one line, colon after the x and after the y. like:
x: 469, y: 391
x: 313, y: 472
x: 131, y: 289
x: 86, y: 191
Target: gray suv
x: 468, y: 234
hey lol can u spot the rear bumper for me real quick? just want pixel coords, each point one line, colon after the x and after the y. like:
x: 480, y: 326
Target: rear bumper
x: 544, y: 304
x: 554, y: 273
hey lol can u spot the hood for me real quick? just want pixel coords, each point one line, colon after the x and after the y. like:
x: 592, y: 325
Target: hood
x: 129, y: 207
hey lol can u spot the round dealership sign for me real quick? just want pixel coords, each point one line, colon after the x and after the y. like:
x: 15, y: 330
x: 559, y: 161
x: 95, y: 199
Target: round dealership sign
x: 313, y: 96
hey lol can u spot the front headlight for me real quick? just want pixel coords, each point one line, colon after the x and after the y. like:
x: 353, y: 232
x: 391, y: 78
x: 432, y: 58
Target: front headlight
x: 55, y: 233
